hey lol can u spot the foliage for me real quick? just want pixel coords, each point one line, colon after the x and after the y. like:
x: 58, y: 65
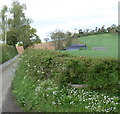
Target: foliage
x: 7, y: 53
x: 61, y: 39
x: 46, y: 39
x: 98, y: 75
x: 29, y: 37
x: 58, y: 37
x: 36, y: 40
x: 20, y: 44
x: 3, y: 21
x: 87, y: 32
x: 17, y: 27
x: 41, y: 82
x: 69, y: 39
x: 12, y: 37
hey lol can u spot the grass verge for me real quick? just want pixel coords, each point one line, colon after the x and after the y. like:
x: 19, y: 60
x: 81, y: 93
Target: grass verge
x: 7, y: 52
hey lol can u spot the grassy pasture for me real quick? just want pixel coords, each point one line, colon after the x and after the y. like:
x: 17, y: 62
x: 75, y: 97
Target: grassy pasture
x: 110, y: 41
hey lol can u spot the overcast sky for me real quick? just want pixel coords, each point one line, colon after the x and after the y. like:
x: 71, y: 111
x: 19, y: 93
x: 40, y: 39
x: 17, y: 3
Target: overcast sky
x: 49, y: 15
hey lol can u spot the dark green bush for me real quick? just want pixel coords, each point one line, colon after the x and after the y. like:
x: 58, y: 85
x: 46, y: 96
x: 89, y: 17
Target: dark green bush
x: 7, y: 52
x: 99, y: 74
x: 103, y: 75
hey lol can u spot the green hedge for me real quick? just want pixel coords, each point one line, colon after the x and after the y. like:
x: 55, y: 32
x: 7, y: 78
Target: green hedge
x: 42, y: 78
x: 99, y: 73
x: 7, y: 52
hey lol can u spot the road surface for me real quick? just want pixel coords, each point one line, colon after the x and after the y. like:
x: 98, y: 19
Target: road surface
x: 7, y: 70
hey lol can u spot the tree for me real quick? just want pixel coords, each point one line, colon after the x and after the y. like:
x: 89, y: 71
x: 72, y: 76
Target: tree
x: 96, y: 29
x: 18, y: 18
x: 3, y: 17
x: 103, y: 30
x: 81, y: 32
x: 108, y: 29
x: 0, y: 29
x: 35, y: 40
x: 75, y: 35
x: 19, y: 29
x: 68, y: 33
x: 46, y: 39
x: 17, y: 21
x: 29, y: 37
x: 58, y: 38
x: 113, y: 28
x: 11, y: 37
x: 99, y: 30
x: 61, y: 39
x: 69, y: 38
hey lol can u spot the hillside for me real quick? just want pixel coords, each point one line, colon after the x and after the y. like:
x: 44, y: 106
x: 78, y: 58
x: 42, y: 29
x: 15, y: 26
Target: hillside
x: 110, y: 41
x: 101, y: 40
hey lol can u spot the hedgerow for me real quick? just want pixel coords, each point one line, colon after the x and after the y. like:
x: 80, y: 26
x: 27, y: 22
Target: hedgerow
x: 99, y: 74
x: 42, y: 73
x: 7, y: 52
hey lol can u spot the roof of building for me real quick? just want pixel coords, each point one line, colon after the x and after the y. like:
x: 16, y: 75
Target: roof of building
x: 78, y: 45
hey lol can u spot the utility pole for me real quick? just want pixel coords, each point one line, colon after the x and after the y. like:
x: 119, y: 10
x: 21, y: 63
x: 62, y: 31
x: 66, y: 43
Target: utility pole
x: 5, y: 29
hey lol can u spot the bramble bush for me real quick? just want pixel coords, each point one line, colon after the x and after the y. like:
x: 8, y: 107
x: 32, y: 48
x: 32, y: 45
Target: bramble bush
x: 42, y: 78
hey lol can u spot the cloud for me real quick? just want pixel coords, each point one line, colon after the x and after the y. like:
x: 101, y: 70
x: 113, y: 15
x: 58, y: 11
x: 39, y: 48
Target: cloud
x: 49, y: 15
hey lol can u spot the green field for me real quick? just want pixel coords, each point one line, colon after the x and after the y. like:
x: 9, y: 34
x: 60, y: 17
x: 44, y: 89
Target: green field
x: 110, y: 41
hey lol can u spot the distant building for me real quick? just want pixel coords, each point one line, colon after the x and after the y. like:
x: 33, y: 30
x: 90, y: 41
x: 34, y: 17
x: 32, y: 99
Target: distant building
x: 76, y: 47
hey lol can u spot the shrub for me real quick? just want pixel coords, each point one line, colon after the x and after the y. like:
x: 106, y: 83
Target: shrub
x: 103, y: 75
x: 99, y: 74
x: 81, y: 48
x: 7, y: 52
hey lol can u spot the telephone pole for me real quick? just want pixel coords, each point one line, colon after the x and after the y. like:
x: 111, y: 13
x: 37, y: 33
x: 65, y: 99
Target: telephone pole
x: 5, y: 29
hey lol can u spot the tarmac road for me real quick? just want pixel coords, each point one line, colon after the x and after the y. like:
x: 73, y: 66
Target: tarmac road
x: 7, y: 102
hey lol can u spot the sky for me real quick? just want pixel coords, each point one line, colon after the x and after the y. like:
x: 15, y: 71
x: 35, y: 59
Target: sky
x: 68, y: 15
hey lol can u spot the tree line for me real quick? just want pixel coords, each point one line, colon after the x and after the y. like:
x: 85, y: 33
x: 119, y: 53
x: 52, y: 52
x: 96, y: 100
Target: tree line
x: 62, y: 39
x: 15, y: 26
